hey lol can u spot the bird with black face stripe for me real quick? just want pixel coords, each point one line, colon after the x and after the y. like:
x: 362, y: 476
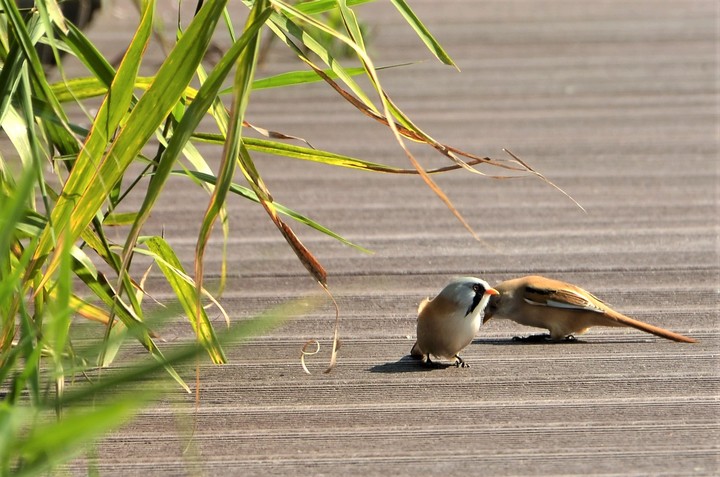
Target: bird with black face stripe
x: 448, y: 323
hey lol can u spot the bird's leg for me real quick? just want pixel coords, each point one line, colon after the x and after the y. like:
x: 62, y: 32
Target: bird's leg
x: 541, y: 338
x: 460, y: 363
x: 428, y: 363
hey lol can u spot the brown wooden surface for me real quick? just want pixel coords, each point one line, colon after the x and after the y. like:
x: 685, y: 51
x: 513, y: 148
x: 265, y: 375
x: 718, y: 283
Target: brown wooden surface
x: 615, y: 101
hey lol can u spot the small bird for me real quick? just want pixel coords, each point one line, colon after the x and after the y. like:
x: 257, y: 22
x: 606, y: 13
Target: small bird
x: 448, y: 323
x: 563, y: 309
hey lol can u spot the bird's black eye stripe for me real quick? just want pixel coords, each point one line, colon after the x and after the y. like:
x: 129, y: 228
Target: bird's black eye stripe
x: 479, y: 292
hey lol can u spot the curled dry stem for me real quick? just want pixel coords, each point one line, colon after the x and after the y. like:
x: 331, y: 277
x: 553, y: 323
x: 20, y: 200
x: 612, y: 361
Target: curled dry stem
x: 336, y: 339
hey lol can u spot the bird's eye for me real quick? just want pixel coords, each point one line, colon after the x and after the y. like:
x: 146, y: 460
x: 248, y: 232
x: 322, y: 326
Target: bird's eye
x: 477, y: 287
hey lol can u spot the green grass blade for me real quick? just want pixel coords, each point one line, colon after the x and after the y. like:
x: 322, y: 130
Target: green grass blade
x: 54, y: 13
x: 299, y: 77
x: 14, y: 200
x: 9, y: 79
x: 12, y: 211
x: 175, y: 275
x: 351, y: 24
x: 51, y: 17
x: 78, y: 89
x: 86, y: 52
x: 292, y: 78
x: 16, y: 129
x: 23, y: 51
x: 245, y: 72
x: 320, y: 6
x: 285, y: 28
x: 57, y: 321
x: 309, y: 154
x: 50, y: 444
x: 120, y: 218
x: 250, y: 194
x: 9, y: 291
x: 29, y: 376
x: 423, y: 33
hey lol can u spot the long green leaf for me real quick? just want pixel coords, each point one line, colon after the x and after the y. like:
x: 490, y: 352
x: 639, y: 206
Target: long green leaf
x: 77, y: 89
x: 236, y: 333
x: 92, y: 87
x: 185, y: 292
x: 423, y: 32
x: 12, y: 211
x: 22, y: 51
x: 50, y: 444
x: 246, y: 63
x: 292, y: 78
x: 16, y: 129
x: 14, y: 200
x: 51, y: 17
x: 314, y: 155
x: 351, y: 24
x: 9, y: 79
x: 320, y: 6
x: 86, y: 52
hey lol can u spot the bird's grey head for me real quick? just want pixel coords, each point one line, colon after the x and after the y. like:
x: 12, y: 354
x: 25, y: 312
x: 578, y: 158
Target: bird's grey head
x: 470, y: 293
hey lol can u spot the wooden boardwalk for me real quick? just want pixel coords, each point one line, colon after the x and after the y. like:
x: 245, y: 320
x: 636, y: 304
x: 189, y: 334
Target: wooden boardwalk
x: 617, y: 103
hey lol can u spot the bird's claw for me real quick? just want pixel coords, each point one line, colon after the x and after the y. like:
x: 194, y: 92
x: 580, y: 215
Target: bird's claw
x: 428, y: 363
x: 460, y: 363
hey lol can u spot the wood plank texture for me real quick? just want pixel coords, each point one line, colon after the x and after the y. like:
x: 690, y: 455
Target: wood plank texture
x: 615, y: 101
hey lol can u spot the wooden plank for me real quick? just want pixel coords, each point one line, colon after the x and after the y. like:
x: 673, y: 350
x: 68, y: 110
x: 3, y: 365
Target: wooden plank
x: 614, y: 101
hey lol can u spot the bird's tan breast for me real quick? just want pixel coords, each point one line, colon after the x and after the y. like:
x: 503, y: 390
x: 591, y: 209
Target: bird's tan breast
x: 443, y: 329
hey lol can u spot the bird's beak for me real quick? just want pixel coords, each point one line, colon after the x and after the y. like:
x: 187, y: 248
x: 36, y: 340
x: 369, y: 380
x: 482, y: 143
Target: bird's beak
x: 488, y: 316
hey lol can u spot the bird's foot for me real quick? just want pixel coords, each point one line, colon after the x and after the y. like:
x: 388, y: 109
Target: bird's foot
x: 460, y: 363
x: 428, y: 363
x: 541, y: 338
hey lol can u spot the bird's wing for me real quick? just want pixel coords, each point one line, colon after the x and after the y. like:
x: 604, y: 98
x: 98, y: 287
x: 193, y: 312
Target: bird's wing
x: 561, y: 298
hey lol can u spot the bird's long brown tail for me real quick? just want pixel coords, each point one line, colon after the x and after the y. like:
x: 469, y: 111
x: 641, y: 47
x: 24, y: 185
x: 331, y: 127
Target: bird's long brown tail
x: 648, y: 328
